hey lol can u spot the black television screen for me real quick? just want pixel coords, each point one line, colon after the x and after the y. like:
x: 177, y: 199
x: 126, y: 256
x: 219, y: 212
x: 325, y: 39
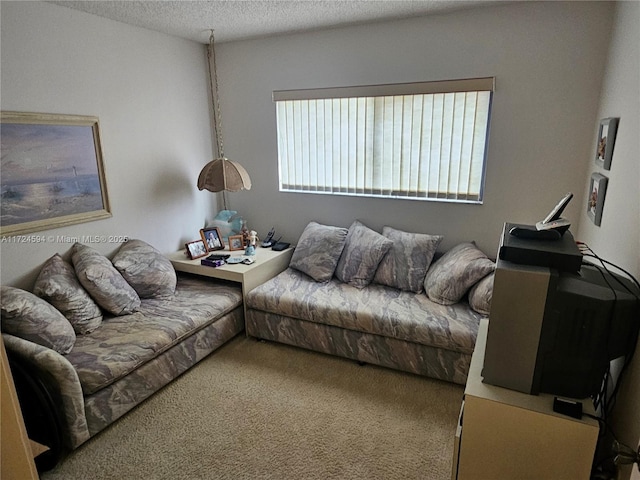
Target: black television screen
x: 590, y: 319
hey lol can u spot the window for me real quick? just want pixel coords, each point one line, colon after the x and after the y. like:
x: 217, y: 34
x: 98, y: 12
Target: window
x: 423, y: 141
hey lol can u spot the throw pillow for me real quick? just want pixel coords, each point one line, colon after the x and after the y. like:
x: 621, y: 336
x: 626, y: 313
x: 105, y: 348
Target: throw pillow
x: 31, y: 318
x: 451, y: 276
x: 363, y: 252
x: 103, y: 282
x: 144, y: 268
x: 318, y: 251
x: 406, y: 264
x: 57, y: 284
x: 480, y: 295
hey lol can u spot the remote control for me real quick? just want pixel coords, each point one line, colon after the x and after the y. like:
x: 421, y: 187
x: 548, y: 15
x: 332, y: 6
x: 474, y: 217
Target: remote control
x: 534, y: 234
x: 218, y: 256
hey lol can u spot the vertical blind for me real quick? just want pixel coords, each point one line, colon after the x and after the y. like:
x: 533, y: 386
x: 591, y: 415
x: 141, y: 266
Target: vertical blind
x: 420, y: 140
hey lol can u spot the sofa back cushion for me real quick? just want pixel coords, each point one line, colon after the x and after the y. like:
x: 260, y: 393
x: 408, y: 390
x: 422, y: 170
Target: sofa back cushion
x: 363, y: 252
x: 29, y: 317
x: 318, y: 251
x: 481, y: 294
x: 103, y: 282
x: 57, y: 284
x: 406, y: 264
x: 453, y: 274
x: 144, y: 268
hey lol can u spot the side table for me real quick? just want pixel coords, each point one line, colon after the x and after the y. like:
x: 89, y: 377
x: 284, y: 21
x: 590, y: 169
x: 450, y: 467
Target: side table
x: 268, y: 264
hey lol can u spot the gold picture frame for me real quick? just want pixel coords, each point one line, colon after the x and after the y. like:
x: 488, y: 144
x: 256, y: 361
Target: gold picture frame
x: 236, y: 242
x: 52, y: 172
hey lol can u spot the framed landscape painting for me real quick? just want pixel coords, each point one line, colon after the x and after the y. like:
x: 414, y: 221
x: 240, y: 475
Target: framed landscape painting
x: 52, y: 172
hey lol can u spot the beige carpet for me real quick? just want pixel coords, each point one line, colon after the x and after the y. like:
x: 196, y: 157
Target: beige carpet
x: 263, y: 410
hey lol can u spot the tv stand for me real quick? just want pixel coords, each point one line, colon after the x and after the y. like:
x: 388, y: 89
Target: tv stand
x: 508, y: 434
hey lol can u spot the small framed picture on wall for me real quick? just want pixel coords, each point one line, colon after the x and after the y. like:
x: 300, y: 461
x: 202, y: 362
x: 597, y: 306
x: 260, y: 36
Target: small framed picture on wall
x: 606, y: 140
x: 597, y: 192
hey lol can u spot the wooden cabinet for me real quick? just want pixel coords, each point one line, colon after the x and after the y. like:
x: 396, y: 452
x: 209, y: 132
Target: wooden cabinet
x: 505, y: 434
x: 17, y: 451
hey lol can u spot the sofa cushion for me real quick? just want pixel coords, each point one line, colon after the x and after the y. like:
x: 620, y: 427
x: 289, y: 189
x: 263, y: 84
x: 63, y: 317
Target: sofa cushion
x: 318, y: 251
x: 149, y: 272
x: 103, y: 282
x: 453, y: 274
x: 29, y: 317
x: 363, y: 252
x: 481, y: 293
x: 406, y: 264
x: 124, y: 343
x: 376, y: 309
x: 57, y: 284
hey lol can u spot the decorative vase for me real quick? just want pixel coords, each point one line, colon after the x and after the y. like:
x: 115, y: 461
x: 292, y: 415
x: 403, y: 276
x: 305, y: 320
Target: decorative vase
x: 229, y: 222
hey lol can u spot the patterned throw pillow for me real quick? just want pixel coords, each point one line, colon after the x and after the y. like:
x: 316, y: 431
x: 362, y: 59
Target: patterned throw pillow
x: 406, y: 264
x: 144, y: 268
x: 480, y: 295
x: 103, y: 282
x: 318, y: 251
x: 452, y: 275
x: 57, y: 284
x: 31, y: 318
x: 363, y: 251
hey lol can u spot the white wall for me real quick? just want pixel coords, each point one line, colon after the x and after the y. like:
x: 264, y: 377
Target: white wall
x: 149, y: 91
x: 617, y: 239
x: 548, y: 61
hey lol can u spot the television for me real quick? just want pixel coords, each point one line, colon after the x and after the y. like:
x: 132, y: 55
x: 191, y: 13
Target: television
x: 555, y: 331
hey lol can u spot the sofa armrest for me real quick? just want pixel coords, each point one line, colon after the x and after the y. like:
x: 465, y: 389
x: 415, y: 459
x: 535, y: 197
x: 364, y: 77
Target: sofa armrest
x: 60, y: 380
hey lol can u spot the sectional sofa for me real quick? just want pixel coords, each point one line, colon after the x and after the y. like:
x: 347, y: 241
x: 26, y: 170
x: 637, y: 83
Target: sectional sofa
x: 97, y: 336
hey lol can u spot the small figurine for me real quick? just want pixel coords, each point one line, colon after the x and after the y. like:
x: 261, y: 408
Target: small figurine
x: 253, y: 240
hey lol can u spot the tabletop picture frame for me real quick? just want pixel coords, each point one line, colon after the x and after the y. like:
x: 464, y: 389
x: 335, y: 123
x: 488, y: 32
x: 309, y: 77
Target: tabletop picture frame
x: 196, y: 249
x: 236, y: 242
x: 606, y: 141
x: 212, y: 238
x: 597, y: 192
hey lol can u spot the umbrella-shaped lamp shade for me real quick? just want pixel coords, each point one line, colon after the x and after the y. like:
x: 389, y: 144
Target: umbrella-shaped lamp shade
x: 223, y: 174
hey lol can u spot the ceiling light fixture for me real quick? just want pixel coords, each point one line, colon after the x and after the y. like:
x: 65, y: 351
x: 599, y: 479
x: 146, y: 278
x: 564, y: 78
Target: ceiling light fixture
x: 220, y: 174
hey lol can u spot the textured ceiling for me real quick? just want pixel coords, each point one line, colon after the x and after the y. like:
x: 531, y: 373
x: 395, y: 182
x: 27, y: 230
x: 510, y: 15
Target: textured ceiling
x: 241, y: 19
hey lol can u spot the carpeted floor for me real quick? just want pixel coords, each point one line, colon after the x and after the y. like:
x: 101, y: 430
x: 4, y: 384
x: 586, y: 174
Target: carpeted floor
x: 259, y: 410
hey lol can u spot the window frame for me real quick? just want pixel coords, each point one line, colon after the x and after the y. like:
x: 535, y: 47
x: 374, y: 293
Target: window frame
x: 482, y: 84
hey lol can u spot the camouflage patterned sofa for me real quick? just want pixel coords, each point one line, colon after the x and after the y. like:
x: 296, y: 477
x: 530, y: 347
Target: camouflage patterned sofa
x: 378, y: 298
x: 79, y: 367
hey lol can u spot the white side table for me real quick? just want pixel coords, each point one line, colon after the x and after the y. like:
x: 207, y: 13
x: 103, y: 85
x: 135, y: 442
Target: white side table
x: 268, y: 264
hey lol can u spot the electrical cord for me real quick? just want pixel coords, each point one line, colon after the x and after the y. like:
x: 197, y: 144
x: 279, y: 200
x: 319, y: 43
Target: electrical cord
x: 622, y: 454
x: 609, y: 401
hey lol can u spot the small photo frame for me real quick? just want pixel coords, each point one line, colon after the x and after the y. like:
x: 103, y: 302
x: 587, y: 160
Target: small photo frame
x: 196, y: 249
x: 606, y: 141
x: 597, y: 192
x: 212, y: 238
x: 236, y: 242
